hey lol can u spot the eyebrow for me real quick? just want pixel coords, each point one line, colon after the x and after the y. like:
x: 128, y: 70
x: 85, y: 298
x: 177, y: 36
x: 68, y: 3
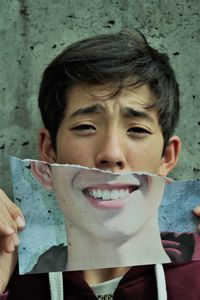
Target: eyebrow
x: 133, y: 113
x: 95, y: 108
x: 126, y: 112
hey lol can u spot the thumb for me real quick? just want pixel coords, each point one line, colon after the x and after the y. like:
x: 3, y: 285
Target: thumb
x: 14, y: 211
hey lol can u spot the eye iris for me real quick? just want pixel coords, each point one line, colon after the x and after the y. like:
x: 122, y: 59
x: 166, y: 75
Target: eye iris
x: 141, y: 130
x: 84, y: 127
x: 138, y: 129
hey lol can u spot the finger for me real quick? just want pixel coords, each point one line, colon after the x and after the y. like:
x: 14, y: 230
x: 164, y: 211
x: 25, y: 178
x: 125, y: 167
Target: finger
x: 7, y: 265
x: 20, y: 222
x: 7, y: 224
x: 14, y: 211
x: 8, y: 244
x: 196, y: 211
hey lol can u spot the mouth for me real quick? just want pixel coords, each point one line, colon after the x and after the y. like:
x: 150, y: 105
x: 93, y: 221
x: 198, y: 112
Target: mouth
x: 109, y: 196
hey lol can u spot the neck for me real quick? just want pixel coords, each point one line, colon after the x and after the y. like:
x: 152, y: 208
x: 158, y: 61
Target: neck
x: 101, y: 275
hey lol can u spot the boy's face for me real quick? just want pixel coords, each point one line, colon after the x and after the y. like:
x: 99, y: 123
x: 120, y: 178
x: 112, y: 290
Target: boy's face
x: 118, y: 134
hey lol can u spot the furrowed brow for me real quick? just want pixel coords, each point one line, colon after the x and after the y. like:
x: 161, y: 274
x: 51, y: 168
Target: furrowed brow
x: 133, y: 113
x: 95, y: 108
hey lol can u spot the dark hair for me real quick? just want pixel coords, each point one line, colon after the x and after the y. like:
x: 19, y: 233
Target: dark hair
x: 110, y: 59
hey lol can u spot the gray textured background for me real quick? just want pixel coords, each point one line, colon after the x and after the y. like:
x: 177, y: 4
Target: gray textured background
x: 33, y: 32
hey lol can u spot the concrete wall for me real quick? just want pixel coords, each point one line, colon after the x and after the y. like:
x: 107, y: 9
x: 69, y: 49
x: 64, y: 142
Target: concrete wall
x: 33, y: 32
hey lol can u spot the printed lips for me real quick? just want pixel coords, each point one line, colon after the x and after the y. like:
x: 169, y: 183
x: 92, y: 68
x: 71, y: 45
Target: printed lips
x: 109, y: 196
x: 107, y: 190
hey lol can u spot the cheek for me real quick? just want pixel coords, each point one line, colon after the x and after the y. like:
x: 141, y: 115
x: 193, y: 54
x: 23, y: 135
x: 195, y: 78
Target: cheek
x: 75, y: 152
x: 145, y: 158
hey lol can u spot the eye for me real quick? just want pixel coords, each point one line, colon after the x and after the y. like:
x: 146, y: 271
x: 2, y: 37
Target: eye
x: 84, y: 129
x: 138, y: 131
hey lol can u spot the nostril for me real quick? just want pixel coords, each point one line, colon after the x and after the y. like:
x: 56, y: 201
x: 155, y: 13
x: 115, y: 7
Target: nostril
x: 119, y: 163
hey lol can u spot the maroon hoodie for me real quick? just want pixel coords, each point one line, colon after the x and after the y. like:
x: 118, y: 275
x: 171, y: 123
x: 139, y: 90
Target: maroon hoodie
x: 182, y: 281
x: 139, y: 283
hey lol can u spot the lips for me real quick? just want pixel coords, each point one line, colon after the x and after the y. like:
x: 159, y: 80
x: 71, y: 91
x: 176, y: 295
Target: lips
x: 108, y: 196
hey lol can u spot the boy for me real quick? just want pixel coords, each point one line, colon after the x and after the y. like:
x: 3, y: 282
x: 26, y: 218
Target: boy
x: 110, y: 102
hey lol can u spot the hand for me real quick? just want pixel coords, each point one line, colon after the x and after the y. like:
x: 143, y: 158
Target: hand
x: 196, y: 211
x: 178, y: 246
x: 11, y: 220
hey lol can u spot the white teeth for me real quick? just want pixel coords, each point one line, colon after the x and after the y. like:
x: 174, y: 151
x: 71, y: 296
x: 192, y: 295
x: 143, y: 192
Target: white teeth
x: 108, y: 195
x: 94, y: 193
x: 115, y: 194
x: 122, y: 193
x: 127, y: 192
x: 99, y: 193
x: 105, y: 195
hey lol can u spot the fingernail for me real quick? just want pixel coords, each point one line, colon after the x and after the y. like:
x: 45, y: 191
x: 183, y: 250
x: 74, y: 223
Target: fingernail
x: 20, y: 222
x: 15, y: 239
x: 196, y: 212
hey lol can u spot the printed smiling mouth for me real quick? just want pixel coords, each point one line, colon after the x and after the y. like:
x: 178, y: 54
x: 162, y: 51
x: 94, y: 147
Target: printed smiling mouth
x: 109, y: 194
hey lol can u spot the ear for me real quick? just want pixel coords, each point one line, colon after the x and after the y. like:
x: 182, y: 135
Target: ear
x: 42, y: 173
x: 170, y: 156
x: 47, y: 151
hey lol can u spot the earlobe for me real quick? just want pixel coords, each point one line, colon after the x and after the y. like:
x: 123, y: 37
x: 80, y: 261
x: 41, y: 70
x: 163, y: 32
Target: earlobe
x: 170, y: 156
x: 47, y: 152
x: 42, y: 173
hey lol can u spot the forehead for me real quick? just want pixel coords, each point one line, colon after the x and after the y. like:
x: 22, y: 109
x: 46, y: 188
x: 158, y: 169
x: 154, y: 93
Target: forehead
x: 81, y: 95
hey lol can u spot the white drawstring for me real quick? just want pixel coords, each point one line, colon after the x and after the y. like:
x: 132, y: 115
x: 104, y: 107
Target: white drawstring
x: 161, y: 283
x: 56, y: 285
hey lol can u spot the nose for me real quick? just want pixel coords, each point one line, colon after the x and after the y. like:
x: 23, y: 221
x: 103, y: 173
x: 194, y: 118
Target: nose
x: 110, y: 155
